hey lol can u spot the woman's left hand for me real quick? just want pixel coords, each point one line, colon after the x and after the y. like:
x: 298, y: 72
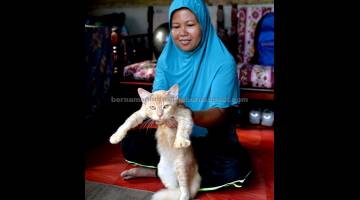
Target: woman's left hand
x: 171, y: 123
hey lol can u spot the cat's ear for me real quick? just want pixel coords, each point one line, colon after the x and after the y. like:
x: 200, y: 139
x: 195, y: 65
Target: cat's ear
x: 174, y: 91
x: 143, y: 94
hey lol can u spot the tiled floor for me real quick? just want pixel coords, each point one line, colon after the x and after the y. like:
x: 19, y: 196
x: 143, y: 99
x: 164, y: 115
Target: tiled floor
x: 105, y: 163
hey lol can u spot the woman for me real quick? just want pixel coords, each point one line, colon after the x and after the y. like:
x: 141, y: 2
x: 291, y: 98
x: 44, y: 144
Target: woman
x: 196, y: 59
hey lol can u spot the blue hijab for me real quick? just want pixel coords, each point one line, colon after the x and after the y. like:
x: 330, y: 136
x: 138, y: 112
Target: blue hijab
x: 207, y: 75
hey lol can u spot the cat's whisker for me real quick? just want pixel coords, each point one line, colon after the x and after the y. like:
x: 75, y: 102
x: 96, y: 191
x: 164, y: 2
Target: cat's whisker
x: 147, y: 124
x: 143, y: 125
x: 151, y: 122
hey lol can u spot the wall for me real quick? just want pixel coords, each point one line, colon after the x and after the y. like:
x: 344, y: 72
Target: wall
x: 136, y: 15
x: 116, y: 3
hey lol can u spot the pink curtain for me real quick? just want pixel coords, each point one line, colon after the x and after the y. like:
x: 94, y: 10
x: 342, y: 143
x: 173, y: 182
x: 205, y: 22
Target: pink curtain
x: 248, y: 17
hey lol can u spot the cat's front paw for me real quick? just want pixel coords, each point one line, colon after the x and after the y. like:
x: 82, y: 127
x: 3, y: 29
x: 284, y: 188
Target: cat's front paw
x: 117, y: 137
x: 114, y: 139
x: 181, y: 142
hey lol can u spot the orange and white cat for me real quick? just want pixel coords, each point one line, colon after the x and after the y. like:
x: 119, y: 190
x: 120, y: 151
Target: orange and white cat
x: 178, y: 168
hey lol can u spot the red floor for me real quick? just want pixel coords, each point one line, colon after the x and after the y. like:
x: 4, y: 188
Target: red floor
x: 105, y: 163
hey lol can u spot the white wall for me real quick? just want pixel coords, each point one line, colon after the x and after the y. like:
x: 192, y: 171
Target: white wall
x: 160, y: 15
x: 136, y: 17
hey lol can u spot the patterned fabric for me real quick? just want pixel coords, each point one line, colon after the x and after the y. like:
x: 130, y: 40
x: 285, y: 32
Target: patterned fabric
x: 257, y: 76
x: 248, y: 17
x: 140, y: 71
x: 98, y: 64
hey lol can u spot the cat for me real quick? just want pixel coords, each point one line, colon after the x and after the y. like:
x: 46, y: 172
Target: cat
x: 178, y: 168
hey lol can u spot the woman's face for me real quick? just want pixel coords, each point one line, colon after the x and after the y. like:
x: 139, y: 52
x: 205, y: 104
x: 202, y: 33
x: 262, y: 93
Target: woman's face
x: 185, y: 29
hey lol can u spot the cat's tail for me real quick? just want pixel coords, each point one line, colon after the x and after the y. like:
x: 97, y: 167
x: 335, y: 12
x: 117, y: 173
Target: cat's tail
x: 167, y: 194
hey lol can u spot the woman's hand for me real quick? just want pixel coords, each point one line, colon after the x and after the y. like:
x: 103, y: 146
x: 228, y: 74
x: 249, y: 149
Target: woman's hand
x: 209, y: 117
x: 171, y: 123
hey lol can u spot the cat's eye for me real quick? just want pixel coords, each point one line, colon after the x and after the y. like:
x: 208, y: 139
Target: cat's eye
x: 166, y: 106
x: 152, y: 107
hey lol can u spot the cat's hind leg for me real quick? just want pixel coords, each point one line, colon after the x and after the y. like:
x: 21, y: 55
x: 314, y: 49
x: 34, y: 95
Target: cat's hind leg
x: 167, y: 175
x: 195, y: 184
x: 182, y: 177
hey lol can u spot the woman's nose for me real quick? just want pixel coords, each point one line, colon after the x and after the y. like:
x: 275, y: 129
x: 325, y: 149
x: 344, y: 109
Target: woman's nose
x: 182, y: 31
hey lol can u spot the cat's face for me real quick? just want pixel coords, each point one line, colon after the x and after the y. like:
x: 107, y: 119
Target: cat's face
x: 160, y: 105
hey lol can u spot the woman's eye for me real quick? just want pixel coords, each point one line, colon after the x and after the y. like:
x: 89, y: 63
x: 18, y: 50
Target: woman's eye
x: 152, y: 108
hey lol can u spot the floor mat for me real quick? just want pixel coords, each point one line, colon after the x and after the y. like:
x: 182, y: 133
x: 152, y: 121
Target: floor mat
x: 101, y: 191
x: 104, y: 164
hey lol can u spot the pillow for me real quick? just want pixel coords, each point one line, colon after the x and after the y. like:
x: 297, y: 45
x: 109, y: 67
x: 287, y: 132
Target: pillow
x: 256, y: 76
x: 140, y: 71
